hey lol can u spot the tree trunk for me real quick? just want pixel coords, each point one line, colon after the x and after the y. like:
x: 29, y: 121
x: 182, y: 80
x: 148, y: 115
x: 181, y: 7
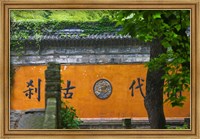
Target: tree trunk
x: 154, y: 91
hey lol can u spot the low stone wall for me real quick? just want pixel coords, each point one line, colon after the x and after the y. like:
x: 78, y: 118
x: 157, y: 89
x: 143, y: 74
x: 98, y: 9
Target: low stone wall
x: 135, y: 123
x: 50, y: 118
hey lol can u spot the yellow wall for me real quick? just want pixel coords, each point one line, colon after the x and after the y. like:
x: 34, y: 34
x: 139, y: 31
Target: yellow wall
x: 83, y: 77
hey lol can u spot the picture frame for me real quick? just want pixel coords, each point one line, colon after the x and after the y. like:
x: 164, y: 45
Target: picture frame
x: 7, y: 5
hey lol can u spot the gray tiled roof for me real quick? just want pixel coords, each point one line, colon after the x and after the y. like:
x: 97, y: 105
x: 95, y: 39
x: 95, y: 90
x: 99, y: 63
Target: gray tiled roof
x: 74, y: 33
x: 75, y: 37
x: 81, y: 36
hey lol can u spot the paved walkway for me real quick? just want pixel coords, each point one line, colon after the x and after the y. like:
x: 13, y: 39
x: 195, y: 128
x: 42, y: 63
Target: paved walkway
x: 32, y: 119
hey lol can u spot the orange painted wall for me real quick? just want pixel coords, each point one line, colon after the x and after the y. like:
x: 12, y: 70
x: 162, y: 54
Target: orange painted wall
x: 22, y: 75
x: 83, y: 77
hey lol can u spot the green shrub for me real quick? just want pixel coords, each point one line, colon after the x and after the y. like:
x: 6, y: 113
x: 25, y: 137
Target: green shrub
x: 184, y: 126
x: 69, y: 118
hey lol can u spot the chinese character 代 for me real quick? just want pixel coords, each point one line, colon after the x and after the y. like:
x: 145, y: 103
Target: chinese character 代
x: 139, y: 86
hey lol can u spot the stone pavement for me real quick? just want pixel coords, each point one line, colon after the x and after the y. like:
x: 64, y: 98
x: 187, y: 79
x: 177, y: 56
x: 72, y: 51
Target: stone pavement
x: 31, y: 119
x: 34, y: 119
x: 15, y: 116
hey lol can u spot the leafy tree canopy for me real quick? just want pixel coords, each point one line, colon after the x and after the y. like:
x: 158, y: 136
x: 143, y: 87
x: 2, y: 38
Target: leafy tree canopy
x: 171, y: 27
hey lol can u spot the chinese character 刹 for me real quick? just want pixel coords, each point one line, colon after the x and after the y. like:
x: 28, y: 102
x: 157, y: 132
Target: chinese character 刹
x: 30, y: 85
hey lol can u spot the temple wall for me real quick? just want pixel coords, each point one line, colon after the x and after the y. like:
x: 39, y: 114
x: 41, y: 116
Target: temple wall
x: 118, y: 61
x: 83, y: 77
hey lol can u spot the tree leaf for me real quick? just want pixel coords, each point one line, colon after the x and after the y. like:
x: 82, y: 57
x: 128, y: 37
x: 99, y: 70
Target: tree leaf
x: 157, y: 15
x: 178, y: 27
x: 166, y: 44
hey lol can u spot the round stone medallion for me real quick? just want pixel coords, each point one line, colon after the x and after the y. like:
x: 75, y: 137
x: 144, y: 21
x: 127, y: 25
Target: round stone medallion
x: 102, y: 89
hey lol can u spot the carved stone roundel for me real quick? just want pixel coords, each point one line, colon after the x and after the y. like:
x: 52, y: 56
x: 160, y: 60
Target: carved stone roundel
x: 102, y: 89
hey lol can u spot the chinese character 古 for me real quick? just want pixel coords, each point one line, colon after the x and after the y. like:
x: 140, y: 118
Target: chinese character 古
x: 68, y: 94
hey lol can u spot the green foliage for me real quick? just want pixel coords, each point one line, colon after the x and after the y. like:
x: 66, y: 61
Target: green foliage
x: 170, y: 27
x: 59, y: 15
x: 30, y: 28
x: 28, y: 15
x: 26, y: 23
x: 92, y: 21
x: 69, y: 118
x: 20, y: 32
x: 184, y: 126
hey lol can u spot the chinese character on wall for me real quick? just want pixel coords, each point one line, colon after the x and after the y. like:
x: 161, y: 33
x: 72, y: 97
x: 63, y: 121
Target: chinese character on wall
x: 31, y: 89
x: 68, y: 94
x: 139, y: 80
